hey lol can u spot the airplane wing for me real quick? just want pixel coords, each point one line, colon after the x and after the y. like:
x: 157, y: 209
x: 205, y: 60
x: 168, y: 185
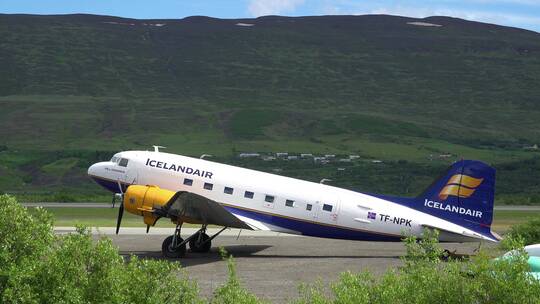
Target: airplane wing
x: 197, y: 209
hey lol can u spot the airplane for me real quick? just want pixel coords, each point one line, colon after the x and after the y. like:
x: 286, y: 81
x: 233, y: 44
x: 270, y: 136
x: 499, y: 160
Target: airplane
x: 155, y: 184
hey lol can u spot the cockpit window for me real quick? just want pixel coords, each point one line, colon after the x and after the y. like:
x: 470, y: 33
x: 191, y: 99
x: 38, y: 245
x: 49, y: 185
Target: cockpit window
x: 123, y: 162
x: 114, y: 159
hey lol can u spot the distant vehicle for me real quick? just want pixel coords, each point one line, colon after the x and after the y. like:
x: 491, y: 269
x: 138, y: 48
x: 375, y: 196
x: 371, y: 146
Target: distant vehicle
x: 158, y: 185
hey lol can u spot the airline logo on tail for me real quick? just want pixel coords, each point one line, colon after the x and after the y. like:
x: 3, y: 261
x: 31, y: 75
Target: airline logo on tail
x: 461, y: 186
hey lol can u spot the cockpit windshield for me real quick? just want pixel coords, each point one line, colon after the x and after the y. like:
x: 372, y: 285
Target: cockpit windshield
x: 123, y: 162
x: 117, y: 159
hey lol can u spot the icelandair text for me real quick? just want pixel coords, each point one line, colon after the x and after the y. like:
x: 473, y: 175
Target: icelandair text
x: 178, y: 168
x: 452, y: 208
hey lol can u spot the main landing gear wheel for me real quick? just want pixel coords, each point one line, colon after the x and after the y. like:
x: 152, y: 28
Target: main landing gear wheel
x: 200, y: 242
x: 171, y: 250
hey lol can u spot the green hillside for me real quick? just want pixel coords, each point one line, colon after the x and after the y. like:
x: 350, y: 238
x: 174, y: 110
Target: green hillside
x: 75, y: 88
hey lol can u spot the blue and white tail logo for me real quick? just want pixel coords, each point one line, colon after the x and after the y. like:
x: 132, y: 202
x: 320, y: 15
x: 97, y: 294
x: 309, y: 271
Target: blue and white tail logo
x: 463, y: 195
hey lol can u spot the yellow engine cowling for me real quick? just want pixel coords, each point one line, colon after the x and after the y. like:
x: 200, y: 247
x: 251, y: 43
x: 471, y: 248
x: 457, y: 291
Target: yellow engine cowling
x: 142, y: 200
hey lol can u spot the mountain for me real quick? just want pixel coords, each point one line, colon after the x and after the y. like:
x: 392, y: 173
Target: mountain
x: 383, y: 87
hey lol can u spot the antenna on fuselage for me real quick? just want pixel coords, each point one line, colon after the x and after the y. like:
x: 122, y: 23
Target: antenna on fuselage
x: 205, y: 155
x: 324, y: 180
x: 156, y: 148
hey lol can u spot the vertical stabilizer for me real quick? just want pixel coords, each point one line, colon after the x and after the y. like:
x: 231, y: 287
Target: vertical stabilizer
x: 464, y: 195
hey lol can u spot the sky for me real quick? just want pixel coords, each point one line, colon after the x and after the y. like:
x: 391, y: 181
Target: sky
x: 517, y: 13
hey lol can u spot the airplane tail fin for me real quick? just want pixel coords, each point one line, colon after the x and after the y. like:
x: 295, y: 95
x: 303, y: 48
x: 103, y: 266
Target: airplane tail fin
x: 463, y: 195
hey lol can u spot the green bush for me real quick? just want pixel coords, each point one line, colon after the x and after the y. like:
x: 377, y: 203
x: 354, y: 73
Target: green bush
x: 529, y: 231
x: 424, y: 278
x: 232, y: 292
x: 37, y: 266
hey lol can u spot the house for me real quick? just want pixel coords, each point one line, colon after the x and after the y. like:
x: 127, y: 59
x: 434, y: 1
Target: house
x: 246, y: 155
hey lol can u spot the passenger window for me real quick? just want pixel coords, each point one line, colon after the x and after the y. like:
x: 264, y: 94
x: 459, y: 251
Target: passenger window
x: 228, y: 190
x: 326, y: 207
x: 123, y: 162
x: 248, y: 194
x: 309, y: 207
x: 269, y: 199
x: 188, y: 182
x: 208, y: 186
x: 289, y: 203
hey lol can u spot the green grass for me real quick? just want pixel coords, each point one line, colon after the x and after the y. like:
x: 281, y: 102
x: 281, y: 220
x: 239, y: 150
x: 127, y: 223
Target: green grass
x: 98, y: 217
x: 503, y: 219
x: 60, y: 167
x: 250, y: 123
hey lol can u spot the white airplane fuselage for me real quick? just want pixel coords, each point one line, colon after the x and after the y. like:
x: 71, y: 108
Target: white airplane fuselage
x: 297, y: 207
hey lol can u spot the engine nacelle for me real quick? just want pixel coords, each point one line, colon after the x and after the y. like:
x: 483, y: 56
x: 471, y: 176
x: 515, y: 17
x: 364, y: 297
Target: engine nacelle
x: 142, y: 200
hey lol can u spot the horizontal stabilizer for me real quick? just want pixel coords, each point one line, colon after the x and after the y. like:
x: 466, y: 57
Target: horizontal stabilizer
x: 460, y: 235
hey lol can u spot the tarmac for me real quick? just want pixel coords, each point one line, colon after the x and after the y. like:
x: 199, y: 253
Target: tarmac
x: 271, y: 265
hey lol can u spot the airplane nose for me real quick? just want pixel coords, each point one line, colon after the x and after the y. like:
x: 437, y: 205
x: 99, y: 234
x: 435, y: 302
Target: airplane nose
x: 92, y: 170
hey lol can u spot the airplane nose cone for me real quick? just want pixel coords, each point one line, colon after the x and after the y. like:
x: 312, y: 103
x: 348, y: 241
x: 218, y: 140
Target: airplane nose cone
x: 92, y: 170
x: 98, y: 173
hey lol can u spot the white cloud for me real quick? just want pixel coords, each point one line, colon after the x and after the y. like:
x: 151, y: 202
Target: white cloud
x: 258, y: 8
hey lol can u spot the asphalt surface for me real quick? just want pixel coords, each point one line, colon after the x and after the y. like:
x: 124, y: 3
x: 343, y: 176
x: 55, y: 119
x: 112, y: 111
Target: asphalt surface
x: 108, y: 205
x: 270, y: 265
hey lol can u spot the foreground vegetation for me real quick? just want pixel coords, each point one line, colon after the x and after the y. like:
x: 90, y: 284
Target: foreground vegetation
x: 424, y: 278
x: 37, y: 266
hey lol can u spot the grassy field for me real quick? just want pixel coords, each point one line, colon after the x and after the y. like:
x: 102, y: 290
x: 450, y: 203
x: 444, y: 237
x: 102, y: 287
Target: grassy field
x: 72, y: 93
x: 503, y: 219
x: 106, y: 217
x: 98, y: 217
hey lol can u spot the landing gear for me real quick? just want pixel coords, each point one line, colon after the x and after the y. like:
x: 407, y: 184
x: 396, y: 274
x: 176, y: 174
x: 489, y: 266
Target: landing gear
x: 200, y: 242
x: 174, y: 246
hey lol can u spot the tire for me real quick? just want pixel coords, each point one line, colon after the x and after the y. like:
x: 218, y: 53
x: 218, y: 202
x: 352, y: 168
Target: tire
x: 177, y: 252
x: 197, y: 247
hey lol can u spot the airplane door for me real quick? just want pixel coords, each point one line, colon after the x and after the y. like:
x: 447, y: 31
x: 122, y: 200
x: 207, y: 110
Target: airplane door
x: 328, y: 210
x: 131, y: 175
x: 314, y: 209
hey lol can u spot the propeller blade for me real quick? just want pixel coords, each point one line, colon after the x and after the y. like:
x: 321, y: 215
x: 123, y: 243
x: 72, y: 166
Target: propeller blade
x: 113, y: 199
x: 120, y: 214
x: 147, y: 228
x: 120, y: 187
x: 121, y: 208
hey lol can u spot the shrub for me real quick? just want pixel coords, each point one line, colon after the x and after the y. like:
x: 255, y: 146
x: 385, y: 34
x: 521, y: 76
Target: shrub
x: 37, y: 266
x: 528, y: 231
x: 424, y: 278
x: 232, y: 292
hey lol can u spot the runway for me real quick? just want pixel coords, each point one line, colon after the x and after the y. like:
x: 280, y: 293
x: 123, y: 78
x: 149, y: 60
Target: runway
x: 270, y: 265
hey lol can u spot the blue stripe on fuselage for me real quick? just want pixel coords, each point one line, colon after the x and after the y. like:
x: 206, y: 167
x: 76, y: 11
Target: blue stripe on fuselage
x: 109, y: 184
x: 303, y: 227
x: 313, y: 228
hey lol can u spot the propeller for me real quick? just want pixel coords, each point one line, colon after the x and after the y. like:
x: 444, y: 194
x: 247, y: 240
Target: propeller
x: 120, y: 209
